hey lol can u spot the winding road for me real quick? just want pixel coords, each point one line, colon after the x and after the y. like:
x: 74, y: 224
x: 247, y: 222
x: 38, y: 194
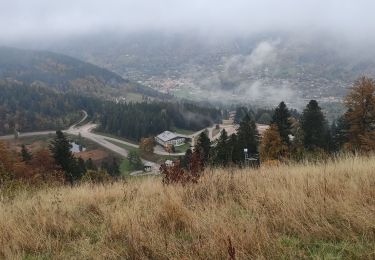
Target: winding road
x: 105, y: 141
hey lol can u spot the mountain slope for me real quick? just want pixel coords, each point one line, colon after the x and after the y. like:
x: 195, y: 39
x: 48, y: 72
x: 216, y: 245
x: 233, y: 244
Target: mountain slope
x: 265, y: 67
x: 63, y: 74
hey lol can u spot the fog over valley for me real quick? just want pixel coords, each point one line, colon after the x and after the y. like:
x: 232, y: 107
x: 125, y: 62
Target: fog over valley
x: 230, y: 51
x: 187, y: 129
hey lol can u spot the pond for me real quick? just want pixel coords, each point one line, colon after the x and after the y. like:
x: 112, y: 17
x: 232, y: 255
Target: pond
x: 76, y: 148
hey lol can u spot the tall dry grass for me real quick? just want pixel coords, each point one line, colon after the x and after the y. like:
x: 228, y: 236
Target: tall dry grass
x: 291, y: 212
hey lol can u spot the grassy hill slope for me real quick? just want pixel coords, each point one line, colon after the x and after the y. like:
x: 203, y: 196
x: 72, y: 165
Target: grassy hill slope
x: 287, y: 212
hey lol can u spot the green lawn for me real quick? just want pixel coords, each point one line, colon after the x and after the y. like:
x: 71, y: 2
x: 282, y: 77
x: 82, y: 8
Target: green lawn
x: 146, y: 156
x: 125, y: 167
x: 183, y: 131
x: 182, y: 148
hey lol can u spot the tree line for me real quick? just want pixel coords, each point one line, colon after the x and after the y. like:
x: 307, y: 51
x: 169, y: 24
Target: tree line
x: 54, y: 166
x: 295, y: 137
x: 137, y: 120
x: 31, y: 108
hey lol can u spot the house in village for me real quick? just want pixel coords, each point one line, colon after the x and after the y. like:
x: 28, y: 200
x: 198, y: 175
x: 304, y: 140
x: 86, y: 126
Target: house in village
x: 168, y: 138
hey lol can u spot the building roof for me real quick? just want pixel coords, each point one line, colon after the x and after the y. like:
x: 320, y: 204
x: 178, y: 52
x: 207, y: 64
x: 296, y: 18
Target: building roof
x: 167, y: 136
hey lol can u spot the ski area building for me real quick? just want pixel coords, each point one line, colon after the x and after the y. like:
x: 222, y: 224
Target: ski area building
x: 168, y: 138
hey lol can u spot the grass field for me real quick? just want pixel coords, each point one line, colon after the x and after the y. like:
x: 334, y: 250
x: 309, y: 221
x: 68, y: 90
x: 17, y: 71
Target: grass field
x: 305, y: 211
x: 184, y: 131
x: 182, y: 148
x: 125, y: 167
x: 146, y: 156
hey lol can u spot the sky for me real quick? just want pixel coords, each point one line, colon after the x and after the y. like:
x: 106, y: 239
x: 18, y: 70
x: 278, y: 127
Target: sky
x: 49, y: 18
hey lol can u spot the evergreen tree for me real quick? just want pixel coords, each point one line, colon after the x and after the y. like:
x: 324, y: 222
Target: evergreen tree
x: 135, y: 161
x: 25, y: 154
x: 221, y: 156
x: 185, y: 160
x: 90, y: 165
x: 115, y: 168
x: 235, y: 153
x: 281, y: 119
x: 248, y: 136
x: 80, y: 168
x: 203, y: 145
x: 241, y: 112
x: 60, y: 149
x: 339, y: 132
x: 314, y: 126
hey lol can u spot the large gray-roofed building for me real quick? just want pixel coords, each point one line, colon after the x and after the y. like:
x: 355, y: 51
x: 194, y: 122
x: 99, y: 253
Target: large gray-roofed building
x: 169, y: 138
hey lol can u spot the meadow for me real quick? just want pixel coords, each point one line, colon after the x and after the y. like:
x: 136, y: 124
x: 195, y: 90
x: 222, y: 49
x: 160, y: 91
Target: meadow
x: 299, y: 211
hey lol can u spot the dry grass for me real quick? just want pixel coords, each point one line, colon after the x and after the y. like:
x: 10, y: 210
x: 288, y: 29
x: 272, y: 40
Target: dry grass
x: 290, y: 212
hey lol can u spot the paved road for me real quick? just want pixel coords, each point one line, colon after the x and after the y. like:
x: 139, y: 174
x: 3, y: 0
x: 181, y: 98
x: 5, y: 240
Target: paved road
x: 8, y: 137
x: 86, y: 132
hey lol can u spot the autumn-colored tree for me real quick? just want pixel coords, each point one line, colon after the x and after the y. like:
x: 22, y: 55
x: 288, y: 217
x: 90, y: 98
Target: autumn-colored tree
x: 147, y: 144
x: 7, y: 159
x: 360, y: 116
x: 25, y: 154
x: 6, y: 164
x: 170, y: 148
x: 272, y: 146
x: 45, y: 167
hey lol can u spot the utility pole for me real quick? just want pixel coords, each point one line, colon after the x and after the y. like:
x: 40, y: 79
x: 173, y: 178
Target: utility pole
x: 245, y: 151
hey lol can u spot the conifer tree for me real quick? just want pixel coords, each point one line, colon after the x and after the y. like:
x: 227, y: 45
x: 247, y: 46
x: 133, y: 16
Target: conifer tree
x: 235, y: 152
x: 203, y: 145
x: 314, y: 126
x: 339, y: 133
x: 25, y: 154
x: 221, y: 156
x: 185, y: 160
x: 115, y: 168
x: 135, y: 161
x: 90, y: 165
x: 60, y: 149
x: 248, y: 136
x: 281, y: 119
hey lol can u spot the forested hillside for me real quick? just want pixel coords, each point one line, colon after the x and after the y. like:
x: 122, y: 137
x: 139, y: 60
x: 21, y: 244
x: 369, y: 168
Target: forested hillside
x: 30, y: 108
x: 135, y: 121
x: 64, y: 74
x: 25, y: 108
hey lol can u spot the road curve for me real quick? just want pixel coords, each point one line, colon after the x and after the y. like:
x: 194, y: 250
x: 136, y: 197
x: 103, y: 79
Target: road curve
x: 86, y: 132
x: 20, y: 135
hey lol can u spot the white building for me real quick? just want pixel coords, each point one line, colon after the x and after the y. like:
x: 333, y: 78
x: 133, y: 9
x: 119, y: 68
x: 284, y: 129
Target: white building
x: 169, y: 138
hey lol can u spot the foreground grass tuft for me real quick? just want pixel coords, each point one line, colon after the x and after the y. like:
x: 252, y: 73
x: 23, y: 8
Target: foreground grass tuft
x: 300, y: 212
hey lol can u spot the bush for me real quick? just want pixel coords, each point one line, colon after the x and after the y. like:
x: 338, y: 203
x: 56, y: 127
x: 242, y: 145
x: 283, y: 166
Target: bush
x: 96, y: 176
x: 176, y: 174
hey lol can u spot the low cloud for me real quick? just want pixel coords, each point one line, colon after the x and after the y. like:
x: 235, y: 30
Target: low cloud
x: 36, y: 18
x: 246, y: 77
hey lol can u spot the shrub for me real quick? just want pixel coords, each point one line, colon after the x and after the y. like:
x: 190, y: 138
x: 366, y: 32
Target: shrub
x: 100, y: 176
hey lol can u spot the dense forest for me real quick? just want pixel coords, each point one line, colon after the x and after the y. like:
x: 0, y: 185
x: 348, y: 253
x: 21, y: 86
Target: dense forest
x: 137, y: 120
x: 30, y: 108
x: 295, y: 137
